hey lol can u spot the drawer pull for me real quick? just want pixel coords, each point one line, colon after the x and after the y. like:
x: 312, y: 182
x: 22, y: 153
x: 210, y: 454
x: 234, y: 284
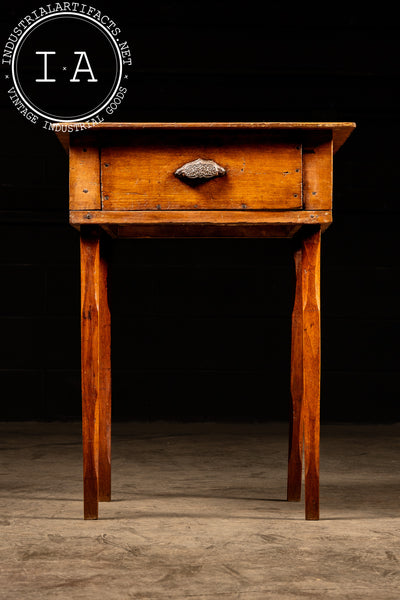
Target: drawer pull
x: 200, y: 169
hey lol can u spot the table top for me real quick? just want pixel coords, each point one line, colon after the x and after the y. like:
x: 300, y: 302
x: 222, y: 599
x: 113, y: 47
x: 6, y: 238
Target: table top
x: 340, y: 130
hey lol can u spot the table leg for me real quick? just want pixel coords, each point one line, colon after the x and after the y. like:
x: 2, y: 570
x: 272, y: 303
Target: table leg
x: 96, y: 370
x: 311, y: 366
x: 104, y: 473
x: 296, y: 386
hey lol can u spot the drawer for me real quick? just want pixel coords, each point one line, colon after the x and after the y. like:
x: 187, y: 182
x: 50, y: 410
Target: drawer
x: 142, y: 170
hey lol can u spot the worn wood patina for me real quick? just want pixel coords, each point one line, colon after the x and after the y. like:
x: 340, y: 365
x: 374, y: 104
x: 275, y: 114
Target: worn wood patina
x: 179, y: 180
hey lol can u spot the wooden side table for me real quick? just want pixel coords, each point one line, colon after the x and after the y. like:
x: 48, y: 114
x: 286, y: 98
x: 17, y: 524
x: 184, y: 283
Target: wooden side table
x: 130, y: 180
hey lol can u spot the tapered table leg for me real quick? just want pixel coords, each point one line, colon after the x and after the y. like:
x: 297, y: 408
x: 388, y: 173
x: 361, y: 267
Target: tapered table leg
x: 90, y: 255
x: 96, y: 372
x: 104, y: 473
x: 296, y: 386
x: 311, y: 366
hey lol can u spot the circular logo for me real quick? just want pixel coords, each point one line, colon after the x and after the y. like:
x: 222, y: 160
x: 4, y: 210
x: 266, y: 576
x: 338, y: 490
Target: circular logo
x: 66, y: 65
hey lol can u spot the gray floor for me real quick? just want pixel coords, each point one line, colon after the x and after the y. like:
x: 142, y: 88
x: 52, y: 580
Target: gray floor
x: 198, y: 512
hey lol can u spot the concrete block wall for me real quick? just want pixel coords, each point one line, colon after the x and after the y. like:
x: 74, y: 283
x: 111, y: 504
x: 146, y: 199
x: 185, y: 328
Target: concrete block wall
x: 201, y: 328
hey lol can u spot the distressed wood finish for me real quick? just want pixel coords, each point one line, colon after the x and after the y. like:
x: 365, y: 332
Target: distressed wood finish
x: 84, y: 174
x: 311, y: 366
x: 296, y: 385
x: 104, y: 376
x: 340, y: 131
x: 277, y: 182
x: 96, y: 371
x: 318, y: 171
x: 138, y: 172
x: 155, y: 217
x: 183, y: 224
x: 90, y: 379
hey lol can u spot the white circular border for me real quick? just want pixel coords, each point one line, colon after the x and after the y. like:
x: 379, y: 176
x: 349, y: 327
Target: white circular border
x: 59, y: 15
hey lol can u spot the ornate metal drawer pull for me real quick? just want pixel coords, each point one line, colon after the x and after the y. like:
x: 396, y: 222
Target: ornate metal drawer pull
x: 200, y: 169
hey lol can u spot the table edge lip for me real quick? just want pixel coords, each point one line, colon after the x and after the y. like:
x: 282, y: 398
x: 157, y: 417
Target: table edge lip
x: 341, y: 130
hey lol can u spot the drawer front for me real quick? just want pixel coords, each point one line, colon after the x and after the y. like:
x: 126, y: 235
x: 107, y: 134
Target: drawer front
x: 252, y: 172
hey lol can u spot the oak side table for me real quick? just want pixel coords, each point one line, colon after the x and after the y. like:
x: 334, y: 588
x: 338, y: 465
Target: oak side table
x: 170, y: 180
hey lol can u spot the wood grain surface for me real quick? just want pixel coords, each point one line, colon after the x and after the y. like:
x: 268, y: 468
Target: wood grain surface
x: 278, y: 183
x: 155, y: 217
x: 340, y: 130
x: 317, y: 171
x: 311, y: 366
x: 295, y: 462
x: 262, y: 172
x: 84, y: 174
x: 207, y: 224
x: 90, y: 259
x: 104, y: 375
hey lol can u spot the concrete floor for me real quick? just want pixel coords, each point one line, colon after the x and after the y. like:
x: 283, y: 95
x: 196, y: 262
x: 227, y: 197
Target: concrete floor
x: 199, y: 513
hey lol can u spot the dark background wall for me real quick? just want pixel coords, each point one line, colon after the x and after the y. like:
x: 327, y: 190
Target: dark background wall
x: 201, y: 327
